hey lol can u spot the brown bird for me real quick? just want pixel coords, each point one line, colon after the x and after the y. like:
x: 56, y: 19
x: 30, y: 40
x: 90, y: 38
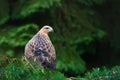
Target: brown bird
x: 41, y: 50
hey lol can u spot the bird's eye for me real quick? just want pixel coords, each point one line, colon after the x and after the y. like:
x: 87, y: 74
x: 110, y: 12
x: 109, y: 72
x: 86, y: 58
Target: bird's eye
x: 46, y: 28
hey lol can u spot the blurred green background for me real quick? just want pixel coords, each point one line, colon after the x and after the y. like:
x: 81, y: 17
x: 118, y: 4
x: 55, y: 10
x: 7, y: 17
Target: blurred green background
x: 86, y: 33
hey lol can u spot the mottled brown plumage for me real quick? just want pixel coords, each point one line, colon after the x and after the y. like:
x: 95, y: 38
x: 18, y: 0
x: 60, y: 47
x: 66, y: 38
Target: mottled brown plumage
x: 41, y: 50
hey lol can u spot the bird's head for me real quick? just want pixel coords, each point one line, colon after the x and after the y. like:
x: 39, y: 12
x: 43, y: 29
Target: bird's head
x: 46, y: 29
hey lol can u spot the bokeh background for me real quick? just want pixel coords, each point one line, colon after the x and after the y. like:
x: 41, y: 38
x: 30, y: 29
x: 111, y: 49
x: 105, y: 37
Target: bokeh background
x: 87, y: 32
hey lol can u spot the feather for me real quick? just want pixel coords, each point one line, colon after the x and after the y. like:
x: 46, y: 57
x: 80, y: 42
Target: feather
x: 41, y: 50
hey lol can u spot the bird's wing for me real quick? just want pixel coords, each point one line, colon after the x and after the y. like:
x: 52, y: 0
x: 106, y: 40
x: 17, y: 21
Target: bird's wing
x: 42, y: 50
x: 41, y: 46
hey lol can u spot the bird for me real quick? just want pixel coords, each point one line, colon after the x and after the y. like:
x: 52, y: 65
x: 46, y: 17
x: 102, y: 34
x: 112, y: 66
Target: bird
x: 40, y: 49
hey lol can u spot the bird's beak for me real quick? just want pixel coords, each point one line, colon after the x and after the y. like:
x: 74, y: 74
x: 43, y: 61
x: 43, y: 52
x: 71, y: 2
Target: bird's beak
x: 51, y: 30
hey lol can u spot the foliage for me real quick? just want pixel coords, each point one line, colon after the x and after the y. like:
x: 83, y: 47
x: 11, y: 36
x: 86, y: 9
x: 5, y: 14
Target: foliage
x: 78, y: 25
x: 18, y: 36
x: 4, y: 11
x: 11, y: 41
x: 25, y: 8
x: 91, y: 2
x: 104, y: 74
x: 18, y: 69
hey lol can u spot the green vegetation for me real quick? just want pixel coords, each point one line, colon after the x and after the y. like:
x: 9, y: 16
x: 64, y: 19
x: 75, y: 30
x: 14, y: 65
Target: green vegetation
x: 104, y: 74
x: 86, y: 36
x: 17, y: 69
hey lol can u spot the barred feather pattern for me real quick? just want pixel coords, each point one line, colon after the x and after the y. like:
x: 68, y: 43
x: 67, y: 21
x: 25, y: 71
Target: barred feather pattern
x: 41, y: 50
